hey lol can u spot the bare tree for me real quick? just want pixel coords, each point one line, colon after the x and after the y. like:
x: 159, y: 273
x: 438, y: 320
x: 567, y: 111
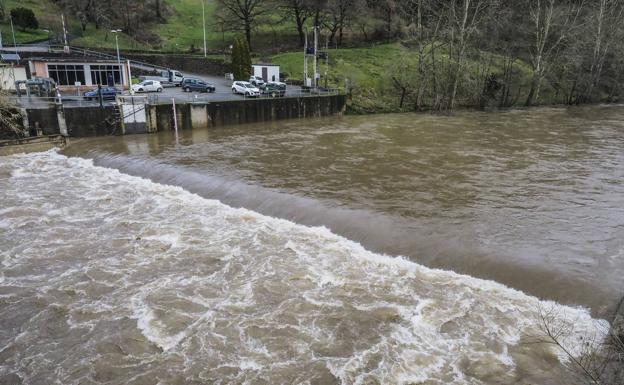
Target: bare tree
x: 597, y: 359
x: 552, y: 23
x: 340, y: 13
x: 604, y: 23
x: 424, y: 18
x: 244, y: 12
x: 464, y: 17
x: 299, y: 12
x: 10, y: 118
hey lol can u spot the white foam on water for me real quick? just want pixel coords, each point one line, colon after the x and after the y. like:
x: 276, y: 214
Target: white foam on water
x: 244, y: 297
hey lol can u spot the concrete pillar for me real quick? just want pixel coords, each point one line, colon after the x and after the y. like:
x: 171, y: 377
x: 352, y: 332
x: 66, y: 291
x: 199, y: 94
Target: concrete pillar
x: 60, y: 115
x: 25, y: 121
x: 199, y: 116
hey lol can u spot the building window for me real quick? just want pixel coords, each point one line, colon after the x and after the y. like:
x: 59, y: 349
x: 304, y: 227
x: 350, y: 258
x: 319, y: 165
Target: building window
x: 66, y: 74
x: 109, y: 74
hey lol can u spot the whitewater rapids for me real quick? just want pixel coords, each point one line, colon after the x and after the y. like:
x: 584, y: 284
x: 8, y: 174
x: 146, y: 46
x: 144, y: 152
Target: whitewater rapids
x: 110, y: 278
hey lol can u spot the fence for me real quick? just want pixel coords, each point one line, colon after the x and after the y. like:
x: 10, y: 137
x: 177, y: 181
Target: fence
x: 156, y: 98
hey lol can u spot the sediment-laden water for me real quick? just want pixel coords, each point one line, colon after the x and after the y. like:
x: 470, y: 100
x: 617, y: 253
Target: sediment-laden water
x: 110, y: 278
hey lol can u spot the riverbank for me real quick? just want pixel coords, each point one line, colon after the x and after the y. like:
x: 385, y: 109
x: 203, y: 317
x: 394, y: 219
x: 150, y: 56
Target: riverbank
x: 399, y: 77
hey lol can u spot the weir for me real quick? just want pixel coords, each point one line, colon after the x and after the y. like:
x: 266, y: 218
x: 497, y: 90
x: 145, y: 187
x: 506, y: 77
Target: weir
x: 86, y: 121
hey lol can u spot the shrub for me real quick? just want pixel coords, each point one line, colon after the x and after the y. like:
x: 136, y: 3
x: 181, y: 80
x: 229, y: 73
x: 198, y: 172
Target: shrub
x: 24, y: 18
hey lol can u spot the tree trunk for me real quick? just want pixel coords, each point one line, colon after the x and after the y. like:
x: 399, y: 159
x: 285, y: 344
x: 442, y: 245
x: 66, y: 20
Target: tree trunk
x: 158, y: 13
x: 300, y: 21
x: 248, y: 33
x: 532, y: 91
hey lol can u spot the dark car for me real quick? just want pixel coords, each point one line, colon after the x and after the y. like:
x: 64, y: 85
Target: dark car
x: 108, y: 93
x: 193, y: 84
x: 275, y: 89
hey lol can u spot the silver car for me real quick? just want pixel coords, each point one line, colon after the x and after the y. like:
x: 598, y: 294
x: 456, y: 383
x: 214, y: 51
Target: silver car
x: 245, y: 88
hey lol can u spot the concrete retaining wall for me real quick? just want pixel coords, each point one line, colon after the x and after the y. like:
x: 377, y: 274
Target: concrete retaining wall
x: 96, y: 121
x: 224, y: 113
x: 89, y: 121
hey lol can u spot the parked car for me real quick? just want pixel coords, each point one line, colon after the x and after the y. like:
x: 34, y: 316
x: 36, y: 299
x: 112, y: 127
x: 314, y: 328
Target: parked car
x: 245, y: 88
x: 108, y: 93
x: 166, y: 78
x: 257, y: 81
x: 148, y: 86
x: 275, y: 89
x: 193, y: 84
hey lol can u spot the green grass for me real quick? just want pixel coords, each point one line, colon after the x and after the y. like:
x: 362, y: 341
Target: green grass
x: 104, y: 38
x: 21, y: 37
x: 184, y: 27
x: 369, y: 72
x: 47, y: 14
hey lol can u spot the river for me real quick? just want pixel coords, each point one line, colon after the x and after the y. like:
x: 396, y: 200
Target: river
x: 370, y: 249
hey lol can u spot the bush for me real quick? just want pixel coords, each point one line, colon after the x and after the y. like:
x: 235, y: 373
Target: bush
x: 10, y: 120
x: 24, y: 18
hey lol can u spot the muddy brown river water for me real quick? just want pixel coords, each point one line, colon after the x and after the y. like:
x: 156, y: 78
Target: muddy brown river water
x: 389, y: 249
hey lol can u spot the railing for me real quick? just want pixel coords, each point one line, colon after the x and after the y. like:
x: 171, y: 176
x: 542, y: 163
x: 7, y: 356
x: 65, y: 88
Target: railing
x: 80, y: 51
x: 34, y: 101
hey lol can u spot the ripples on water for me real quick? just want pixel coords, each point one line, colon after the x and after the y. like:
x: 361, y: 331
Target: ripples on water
x: 532, y: 199
x: 109, y: 278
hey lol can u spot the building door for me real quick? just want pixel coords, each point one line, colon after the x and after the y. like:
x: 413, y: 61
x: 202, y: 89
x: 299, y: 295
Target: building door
x: 265, y: 74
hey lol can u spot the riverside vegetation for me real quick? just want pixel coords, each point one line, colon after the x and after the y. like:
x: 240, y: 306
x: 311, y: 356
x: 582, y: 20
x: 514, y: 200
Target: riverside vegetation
x: 390, y: 55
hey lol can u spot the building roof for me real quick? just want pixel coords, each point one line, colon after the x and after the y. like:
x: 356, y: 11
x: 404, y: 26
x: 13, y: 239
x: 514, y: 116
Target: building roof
x: 265, y: 64
x: 75, y: 59
x: 10, y: 57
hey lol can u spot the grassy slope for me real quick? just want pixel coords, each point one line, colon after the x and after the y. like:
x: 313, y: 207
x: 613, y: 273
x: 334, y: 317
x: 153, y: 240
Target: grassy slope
x: 369, y: 71
x: 43, y: 9
x: 184, y: 27
x: 49, y: 16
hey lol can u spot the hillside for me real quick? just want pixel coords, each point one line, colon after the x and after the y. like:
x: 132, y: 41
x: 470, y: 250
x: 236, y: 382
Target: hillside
x: 368, y: 74
x: 389, y: 55
x: 180, y: 31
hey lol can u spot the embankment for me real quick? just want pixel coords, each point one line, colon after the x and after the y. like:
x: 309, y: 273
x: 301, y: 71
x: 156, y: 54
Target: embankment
x: 85, y: 121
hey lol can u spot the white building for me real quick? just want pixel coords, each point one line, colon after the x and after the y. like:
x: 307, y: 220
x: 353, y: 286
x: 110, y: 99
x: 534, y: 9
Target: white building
x: 268, y: 72
x: 10, y: 71
x: 71, y: 73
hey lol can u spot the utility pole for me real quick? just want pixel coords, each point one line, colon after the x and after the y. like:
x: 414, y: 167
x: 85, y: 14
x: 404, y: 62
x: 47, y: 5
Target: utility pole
x: 326, y: 59
x: 316, y: 74
x: 66, y: 46
x: 305, y: 60
x: 116, y: 32
x: 13, y: 32
x: 130, y: 79
x: 204, y: 25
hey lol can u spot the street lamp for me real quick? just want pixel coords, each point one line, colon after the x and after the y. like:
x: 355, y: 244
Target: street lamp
x: 204, y: 25
x: 116, y: 31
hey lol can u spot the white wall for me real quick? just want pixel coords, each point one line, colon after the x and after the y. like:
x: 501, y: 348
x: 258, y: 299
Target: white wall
x: 272, y: 72
x: 8, y: 76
